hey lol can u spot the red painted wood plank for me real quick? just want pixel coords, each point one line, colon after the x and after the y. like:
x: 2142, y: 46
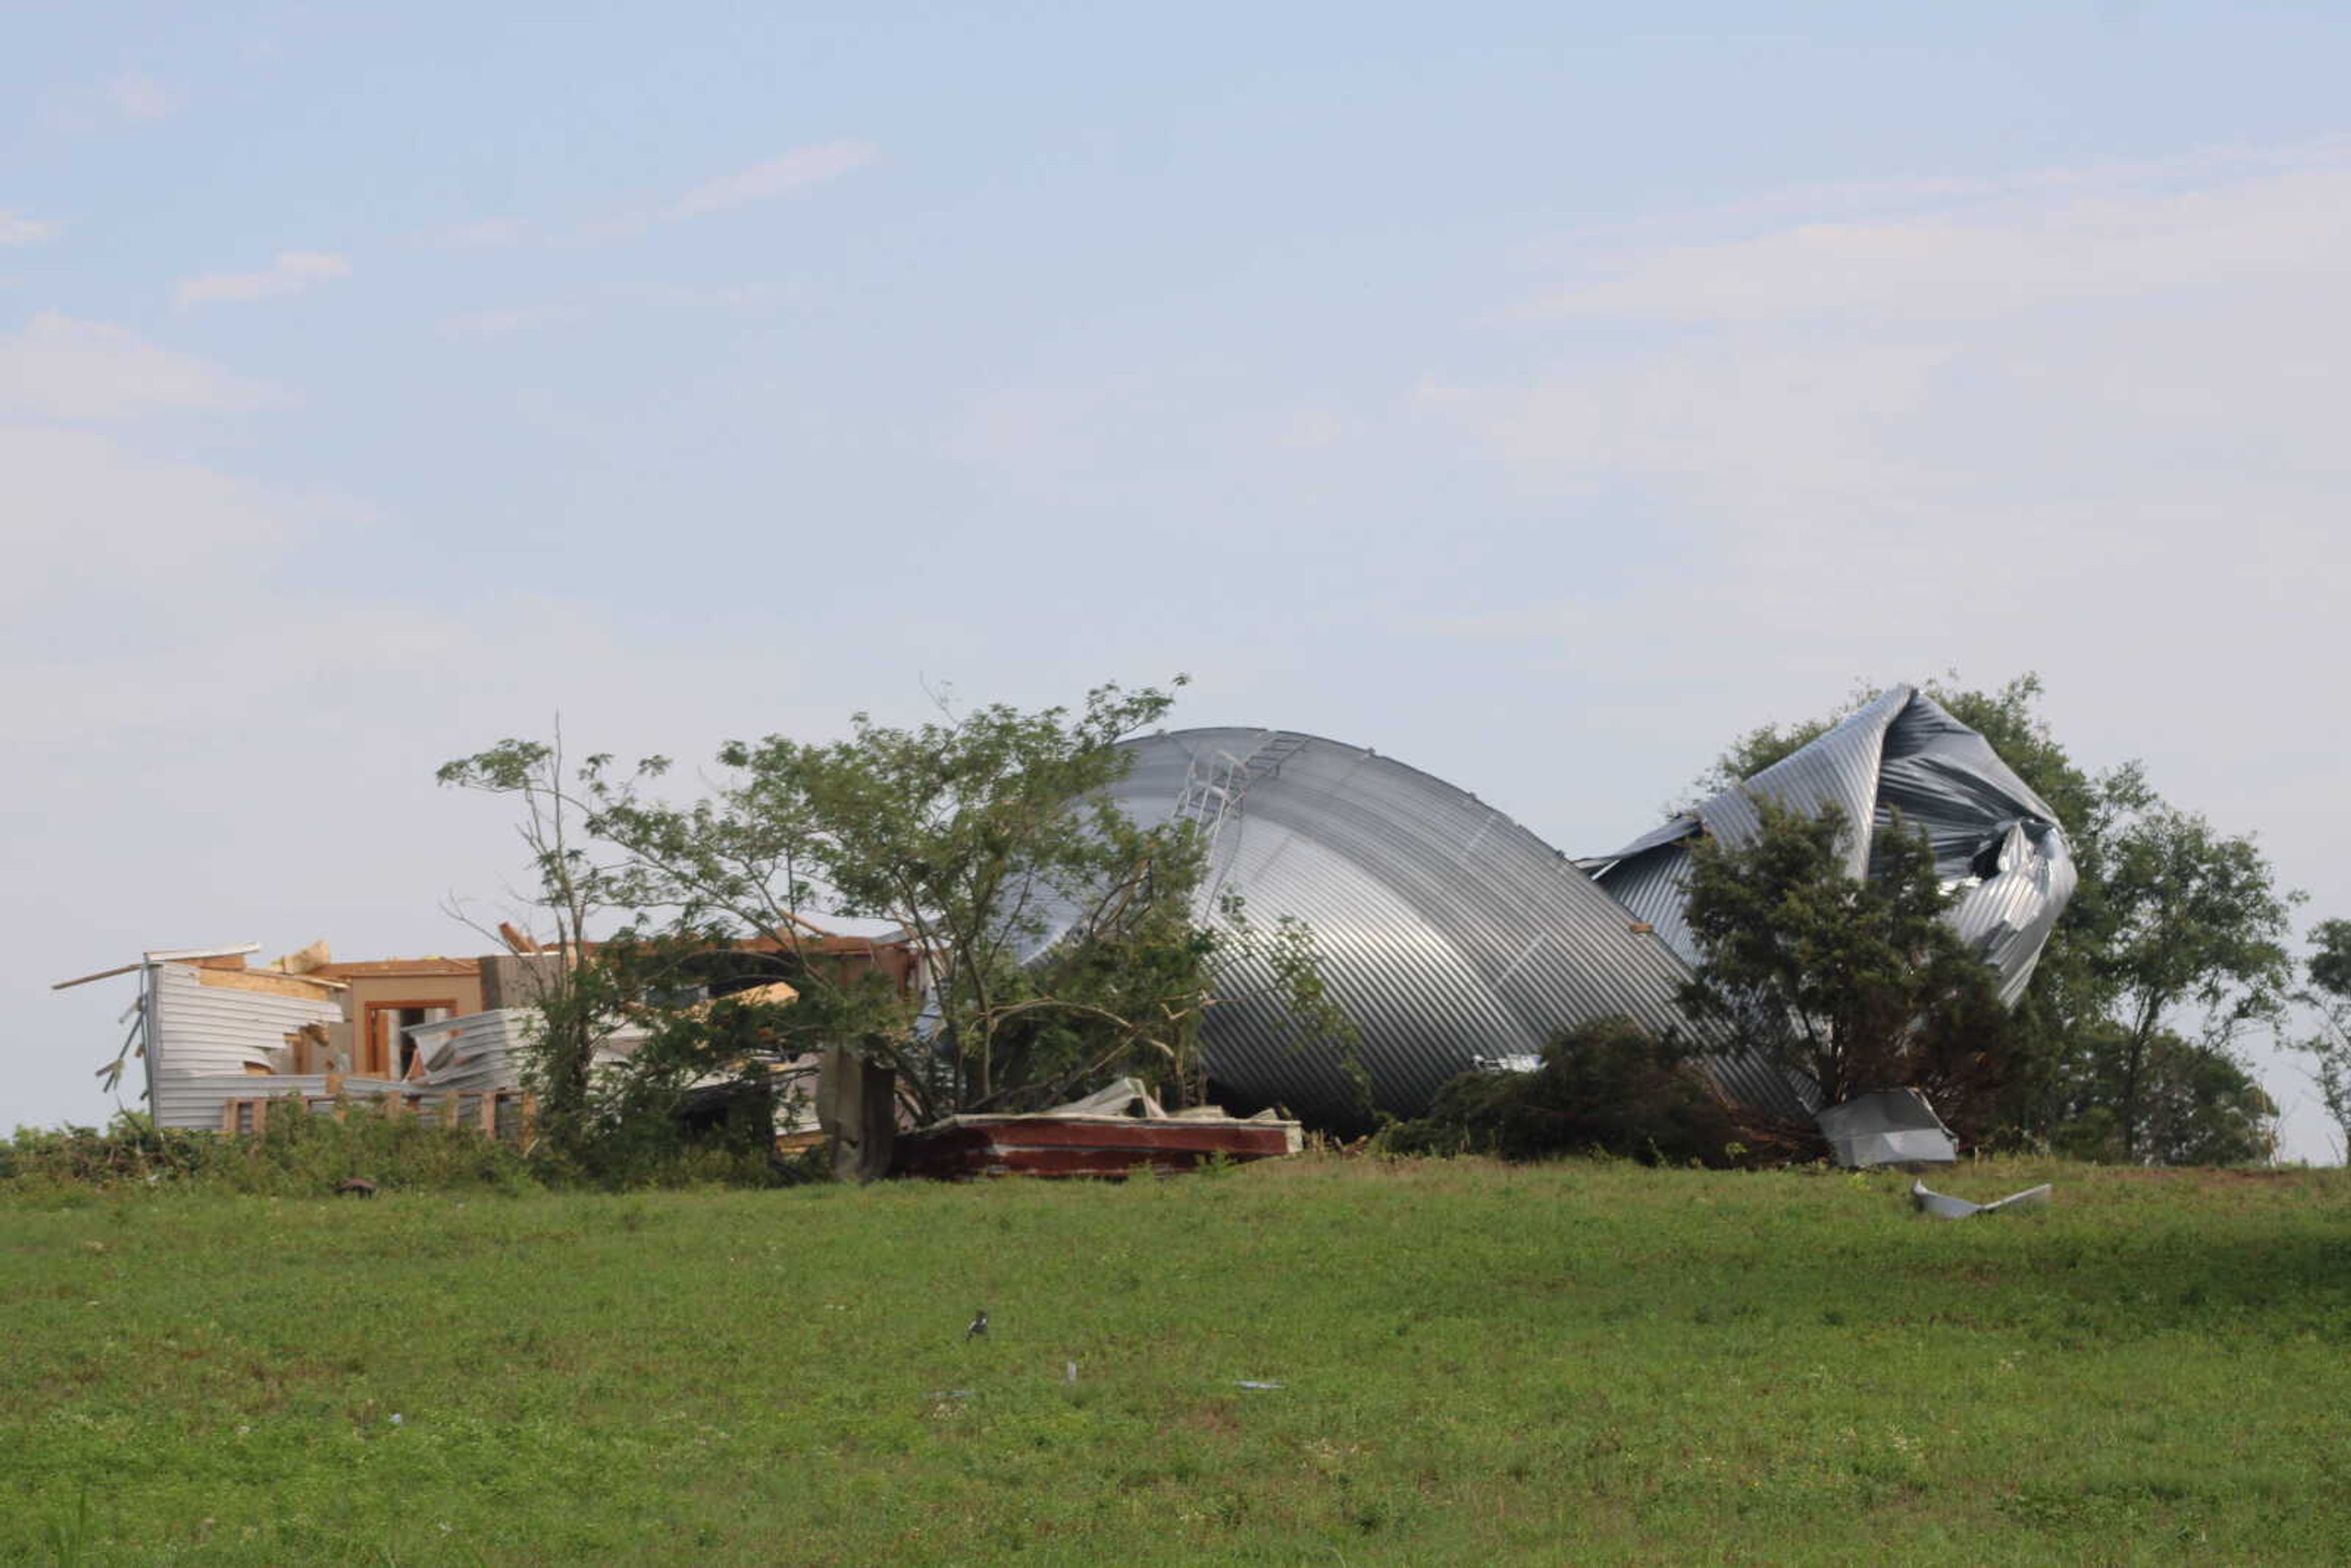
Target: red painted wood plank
x: 1024, y: 1146
x: 1040, y: 1133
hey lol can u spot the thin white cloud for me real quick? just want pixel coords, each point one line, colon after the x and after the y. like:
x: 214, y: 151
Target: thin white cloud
x: 135, y: 95
x: 495, y: 323
x: 20, y: 228
x: 61, y: 368
x: 2046, y: 240
x: 1877, y: 199
x: 483, y: 233
x: 796, y: 171
x: 90, y: 516
x: 293, y: 271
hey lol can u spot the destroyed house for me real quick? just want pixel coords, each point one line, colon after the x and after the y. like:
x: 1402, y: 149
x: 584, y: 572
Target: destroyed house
x: 220, y: 1038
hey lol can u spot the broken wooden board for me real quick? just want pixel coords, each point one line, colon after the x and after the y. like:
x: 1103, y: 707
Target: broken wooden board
x: 962, y: 1147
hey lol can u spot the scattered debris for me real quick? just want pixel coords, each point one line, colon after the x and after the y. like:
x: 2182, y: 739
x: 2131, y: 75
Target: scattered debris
x: 1069, y: 1372
x: 1892, y: 1127
x: 1254, y: 1383
x: 227, y: 1040
x: 1945, y: 1207
x: 1115, y: 1133
x: 358, y: 1186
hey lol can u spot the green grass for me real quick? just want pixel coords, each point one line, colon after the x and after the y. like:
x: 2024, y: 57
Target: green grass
x: 1574, y: 1363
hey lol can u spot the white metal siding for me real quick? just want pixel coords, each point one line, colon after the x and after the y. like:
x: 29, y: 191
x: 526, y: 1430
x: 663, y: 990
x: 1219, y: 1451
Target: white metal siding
x: 485, y: 1049
x: 200, y: 1037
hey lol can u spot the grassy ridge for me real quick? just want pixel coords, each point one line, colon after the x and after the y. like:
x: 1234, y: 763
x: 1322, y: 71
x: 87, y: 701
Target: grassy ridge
x: 1585, y: 1362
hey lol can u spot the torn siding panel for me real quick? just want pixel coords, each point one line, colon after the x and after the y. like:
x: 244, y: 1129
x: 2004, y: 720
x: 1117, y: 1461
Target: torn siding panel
x: 2009, y: 915
x: 1840, y: 768
x: 479, y: 1050
x: 490, y: 1050
x: 198, y: 1031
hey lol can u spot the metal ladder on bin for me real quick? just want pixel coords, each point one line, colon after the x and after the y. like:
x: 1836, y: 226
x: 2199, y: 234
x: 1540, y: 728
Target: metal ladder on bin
x: 1213, y: 793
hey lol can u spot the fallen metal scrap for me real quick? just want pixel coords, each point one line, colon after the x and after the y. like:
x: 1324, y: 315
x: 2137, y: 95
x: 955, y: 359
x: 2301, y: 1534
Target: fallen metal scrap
x: 1943, y: 1206
x: 1892, y: 1127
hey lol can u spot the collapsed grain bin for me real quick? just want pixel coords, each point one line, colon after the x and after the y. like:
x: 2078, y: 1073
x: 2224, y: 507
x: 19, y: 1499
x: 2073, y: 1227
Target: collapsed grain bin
x: 1456, y: 938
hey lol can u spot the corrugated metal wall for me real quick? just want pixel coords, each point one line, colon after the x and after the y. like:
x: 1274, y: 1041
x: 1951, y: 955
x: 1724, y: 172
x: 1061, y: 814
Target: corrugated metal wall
x: 1448, y: 931
x: 200, y: 1037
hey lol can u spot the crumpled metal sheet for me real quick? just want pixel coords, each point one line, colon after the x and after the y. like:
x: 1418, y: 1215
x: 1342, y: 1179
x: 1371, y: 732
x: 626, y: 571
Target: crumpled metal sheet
x: 1997, y: 844
x: 1890, y: 1127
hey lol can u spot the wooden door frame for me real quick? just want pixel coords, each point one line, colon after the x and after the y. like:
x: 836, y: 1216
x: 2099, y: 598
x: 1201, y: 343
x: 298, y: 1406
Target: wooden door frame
x: 370, y: 1035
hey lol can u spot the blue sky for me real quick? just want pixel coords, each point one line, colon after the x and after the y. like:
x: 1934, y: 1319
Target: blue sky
x: 1536, y: 398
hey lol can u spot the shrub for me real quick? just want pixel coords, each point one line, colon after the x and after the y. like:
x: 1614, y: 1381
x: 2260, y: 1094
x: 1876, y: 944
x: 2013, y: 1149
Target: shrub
x: 1605, y: 1087
x: 301, y: 1153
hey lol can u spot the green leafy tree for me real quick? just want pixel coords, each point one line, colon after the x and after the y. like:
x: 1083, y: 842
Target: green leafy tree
x: 2198, y: 1106
x: 1857, y: 983
x: 2327, y: 992
x: 1060, y: 941
x: 577, y: 1005
x: 608, y: 1056
x: 2191, y: 921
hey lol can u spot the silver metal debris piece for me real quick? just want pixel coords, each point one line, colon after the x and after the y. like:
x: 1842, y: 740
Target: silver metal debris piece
x: 1891, y: 1127
x: 1945, y: 1207
x: 1253, y: 1383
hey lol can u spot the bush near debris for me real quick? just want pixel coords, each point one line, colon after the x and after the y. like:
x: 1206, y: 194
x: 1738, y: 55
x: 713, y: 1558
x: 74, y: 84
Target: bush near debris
x: 1605, y: 1087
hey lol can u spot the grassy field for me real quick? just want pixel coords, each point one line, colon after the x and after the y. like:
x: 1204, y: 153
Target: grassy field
x: 1576, y: 1362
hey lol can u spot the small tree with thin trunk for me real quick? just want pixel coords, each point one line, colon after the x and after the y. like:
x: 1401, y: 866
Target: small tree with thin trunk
x: 575, y: 1004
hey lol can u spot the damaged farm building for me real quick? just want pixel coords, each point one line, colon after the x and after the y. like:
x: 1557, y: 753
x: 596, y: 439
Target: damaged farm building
x: 1453, y: 937
x: 222, y: 1039
x: 1457, y: 939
